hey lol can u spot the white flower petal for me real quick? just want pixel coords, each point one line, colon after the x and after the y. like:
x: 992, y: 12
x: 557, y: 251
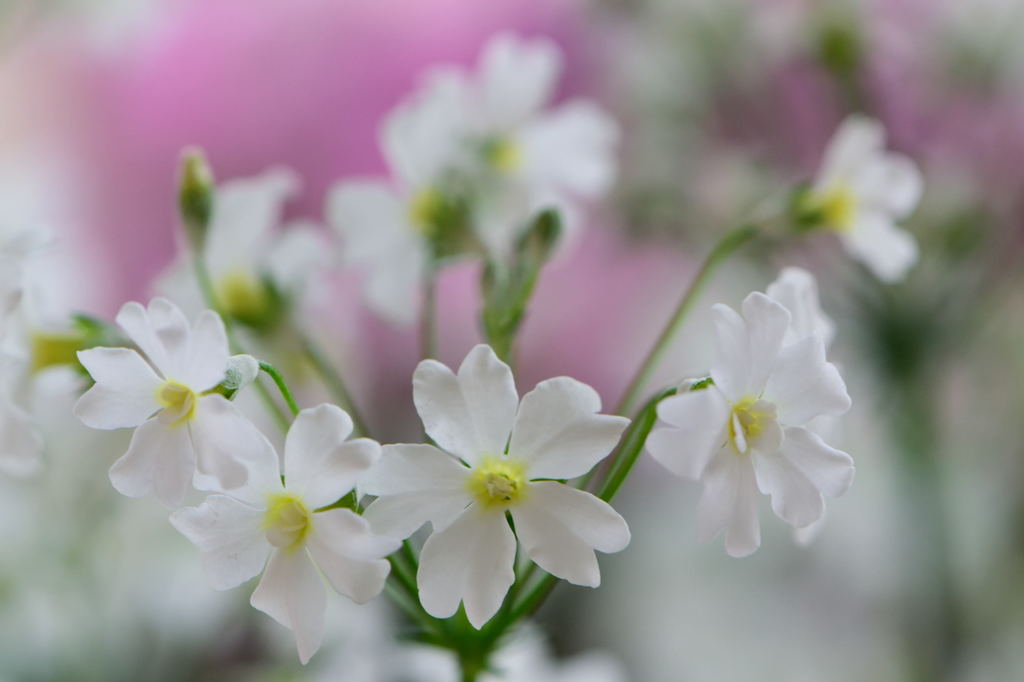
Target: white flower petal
x: 885, y: 249
x: 160, y: 459
x: 571, y: 149
x: 470, y: 561
x: 470, y: 414
x: 228, y: 445
x: 857, y: 141
x: 292, y: 593
x: 797, y: 290
x: 229, y: 536
x: 401, y: 515
x: 349, y: 554
x: 300, y: 251
x: 729, y: 502
x: 208, y: 353
x: 408, y: 468
x: 795, y: 500
x: 558, y: 431
x: 21, y: 445
x: 517, y: 77
x: 124, y: 395
x: 318, y: 462
x: 804, y: 385
x: 560, y: 527
x: 697, y: 430
x: 161, y: 331
x: 747, y: 346
x: 891, y: 184
x: 830, y: 470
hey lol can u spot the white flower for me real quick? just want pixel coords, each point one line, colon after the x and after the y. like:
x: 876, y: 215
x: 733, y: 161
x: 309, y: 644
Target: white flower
x: 862, y: 191
x: 539, y: 157
x: 746, y: 432
x: 495, y: 454
x: 386, y: 228
x: 237, y: 532
x: 163, y: 394
x: 252, y: 263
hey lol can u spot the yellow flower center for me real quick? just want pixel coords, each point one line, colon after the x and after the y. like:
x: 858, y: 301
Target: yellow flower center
x: 747, y: 421
x: 498, y: 481
x: 838, y: 207
x: 179, y: 402
x: 243, y: 296
x: 504, y: 154
x: 287, y: 521
x: 49, y: 349
x: 424, y: 208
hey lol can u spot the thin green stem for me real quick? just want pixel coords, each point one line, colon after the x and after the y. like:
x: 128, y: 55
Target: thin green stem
x: 286, y: 393
x: 728, y: 244
x: 428, y: 317
x: 334, y: 382
x: 210, y: 295
x: 632, y: 445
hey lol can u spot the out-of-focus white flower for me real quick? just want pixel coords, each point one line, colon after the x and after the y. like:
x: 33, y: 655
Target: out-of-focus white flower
x: 495, y: 454
x: 797, y: 291
x: 538, y: 158
x: 254, y: 265
x: 746, y: 431
x: 179, y: 427
x: 237, y: 532
x: 387, y: 227
x: 20, y: 443
x: 862, y: 191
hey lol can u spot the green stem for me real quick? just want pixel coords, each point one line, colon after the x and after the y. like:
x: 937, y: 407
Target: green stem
x: 209, y: 294
x: 632, y: 445
x: 428, y: 318
x: 334, y: 382
x: 281, y: 386
x: 728, y: 244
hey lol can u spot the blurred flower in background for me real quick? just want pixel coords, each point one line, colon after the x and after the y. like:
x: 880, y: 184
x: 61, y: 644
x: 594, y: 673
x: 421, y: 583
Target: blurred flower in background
x: 722, y: 107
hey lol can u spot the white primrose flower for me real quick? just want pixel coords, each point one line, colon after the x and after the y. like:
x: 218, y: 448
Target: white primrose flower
x: 862, y: 191
x: 287, y: 522
x: 540, y: 157
x: 497, y: 454
x: 386, y: 227
x: 252, y: 258
x: 746, y: 432
x: 163, y: 392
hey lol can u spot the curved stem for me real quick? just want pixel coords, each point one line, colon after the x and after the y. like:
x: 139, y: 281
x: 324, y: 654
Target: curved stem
x: 632, y: 446
x: 428, y: 318
x: 728, y: 244
x: 286, y: 393
x: 334, y: 382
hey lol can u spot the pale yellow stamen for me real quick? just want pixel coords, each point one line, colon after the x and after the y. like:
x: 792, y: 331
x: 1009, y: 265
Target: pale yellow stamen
x: 747, y: 421
x: 504, y: 154
x: 423, y: 210
x: 179, y: 402
x: 498, y: 481
x: 838, y: 207
x: 287, y: 521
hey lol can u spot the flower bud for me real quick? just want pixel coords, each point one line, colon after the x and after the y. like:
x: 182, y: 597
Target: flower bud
x: 242, y: 370
x: 195, y: 194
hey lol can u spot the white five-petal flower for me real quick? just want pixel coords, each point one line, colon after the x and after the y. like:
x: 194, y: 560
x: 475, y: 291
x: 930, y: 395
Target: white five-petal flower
x: 497, y: 454
x: 237, y: 532
x: 163, y: 394
x: 386, y: 227
x: 747, y: 432
x: 862, y: 191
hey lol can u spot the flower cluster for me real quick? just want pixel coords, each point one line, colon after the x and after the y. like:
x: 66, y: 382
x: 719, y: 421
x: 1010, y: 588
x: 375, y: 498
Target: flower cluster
x: 476, y: 157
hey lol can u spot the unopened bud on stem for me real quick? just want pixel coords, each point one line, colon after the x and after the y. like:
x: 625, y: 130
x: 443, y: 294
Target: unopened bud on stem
x: 195, y: 194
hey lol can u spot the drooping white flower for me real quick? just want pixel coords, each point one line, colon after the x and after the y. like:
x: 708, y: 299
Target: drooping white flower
x: 538, y: 157
x: 862, y: 191
x: 747, y: 432
x: 497, y: 454
x: 386, y: 227
x: 237, y: 532
x: 162, y: 392
x: 254, y: 260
